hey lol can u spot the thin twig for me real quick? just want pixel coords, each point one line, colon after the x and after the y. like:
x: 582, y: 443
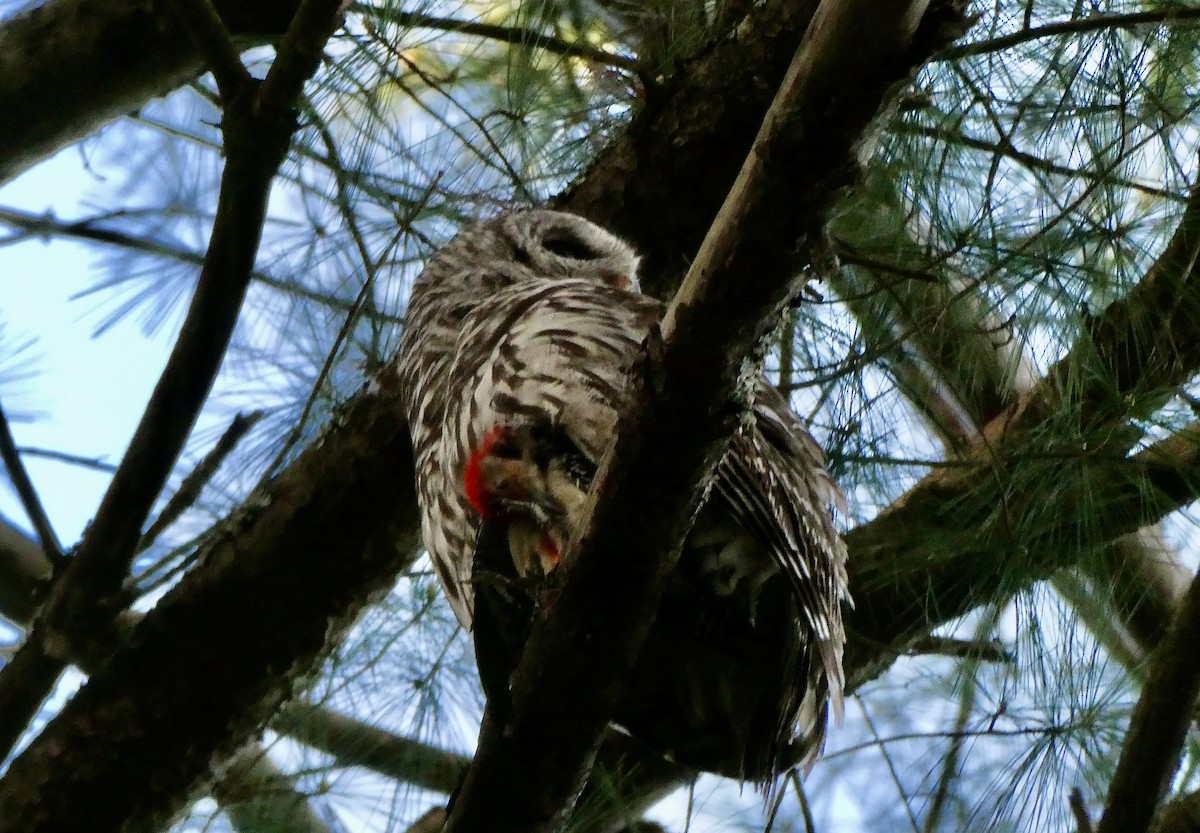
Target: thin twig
x: 1008, y: 149
x: 96, y: 463
x: 1083, y: 821
x: 298, y: 54
x: 891, y: 766
x: 1090, y: 23
x: 985, y: 650
x: 92, y: 230
x: 27, y: 493
x: 192, y: 485
x: 810, y: 825
x: 967, y: 696
x: 515, y: 35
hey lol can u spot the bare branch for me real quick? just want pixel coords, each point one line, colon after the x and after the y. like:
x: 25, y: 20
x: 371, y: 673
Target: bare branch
x: 1158, y: 725
x: 1083, y: 821
x: 1134, y: 355
x: 257, y: 135
x: 27, y: 493
x: 667, y: 241
x: 216, y: 656
x: 96, y: 463
x: 85, y: 599
x: 87, y: 595
x: 354, y: 743
x: 67, y: 67
x: 297, y: 56
x: 984, y: 650
x: 95, y: 230
x: 257, y: 787
x: 257, y: 796
x: 209, y: 33
x: 900, y: 595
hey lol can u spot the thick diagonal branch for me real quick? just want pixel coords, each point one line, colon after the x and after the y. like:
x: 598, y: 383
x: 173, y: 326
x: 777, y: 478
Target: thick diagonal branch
x: 85, y: 599
x: 205, y: 669
x: 586, y: 639
x: 969, y: 368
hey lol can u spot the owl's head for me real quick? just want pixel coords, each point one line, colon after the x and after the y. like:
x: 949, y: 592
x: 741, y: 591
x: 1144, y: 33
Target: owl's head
x: 555, y: 244
x: 535, y: 244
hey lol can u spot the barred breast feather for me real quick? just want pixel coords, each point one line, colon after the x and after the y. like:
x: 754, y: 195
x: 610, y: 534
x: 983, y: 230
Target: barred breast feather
x: 490, y: 346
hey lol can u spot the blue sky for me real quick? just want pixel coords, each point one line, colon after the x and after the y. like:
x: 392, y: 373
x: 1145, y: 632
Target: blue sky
x: 87, y: 392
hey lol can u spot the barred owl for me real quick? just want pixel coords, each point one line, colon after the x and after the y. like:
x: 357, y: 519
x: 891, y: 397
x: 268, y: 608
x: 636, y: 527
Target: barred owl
x: 518, y: 340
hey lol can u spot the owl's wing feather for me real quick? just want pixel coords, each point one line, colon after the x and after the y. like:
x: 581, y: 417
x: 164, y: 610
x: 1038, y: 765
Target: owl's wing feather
x: 558, y: 352
x: 774, y: 481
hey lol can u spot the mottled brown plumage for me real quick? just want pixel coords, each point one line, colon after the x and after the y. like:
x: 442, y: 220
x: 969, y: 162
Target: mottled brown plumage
x: 527, y: 325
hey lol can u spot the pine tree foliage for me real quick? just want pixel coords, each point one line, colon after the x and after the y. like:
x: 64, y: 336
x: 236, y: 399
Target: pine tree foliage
x: 979, y: 346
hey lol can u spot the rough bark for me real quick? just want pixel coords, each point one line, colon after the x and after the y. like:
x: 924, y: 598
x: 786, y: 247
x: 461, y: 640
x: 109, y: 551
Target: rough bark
x: 207, y: 667
x: 68, y: 67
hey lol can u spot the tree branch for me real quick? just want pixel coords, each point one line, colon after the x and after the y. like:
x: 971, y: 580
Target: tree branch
x: 900, y: 594
x: 1134, y: 355
x: 216, y: 45
x: 209, y: 664
x: 665, y: 141
x: 84, y: 600
x: 259, y: 798
x: 354, y: 743
x: 11, y: 457
x: 250, y: 777
x: 515, y: 35
x: 1158, y: 726
x: 95, y: 463
x: 69, y: 66
x: 981, y: 370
